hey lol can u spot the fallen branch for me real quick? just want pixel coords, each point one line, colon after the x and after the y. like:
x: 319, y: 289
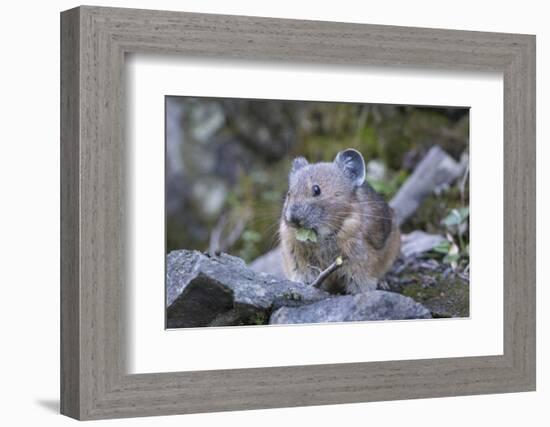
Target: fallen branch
x: 219, y: 243
x: 327, y: 272
x: 436, y: 169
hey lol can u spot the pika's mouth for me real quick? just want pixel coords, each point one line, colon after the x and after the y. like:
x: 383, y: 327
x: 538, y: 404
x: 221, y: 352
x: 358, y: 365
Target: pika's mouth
x: 306, y: 235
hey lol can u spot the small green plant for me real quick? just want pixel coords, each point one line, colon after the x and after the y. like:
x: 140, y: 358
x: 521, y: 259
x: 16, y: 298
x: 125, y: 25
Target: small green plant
x: 455, y: 246
x: 259, y: 318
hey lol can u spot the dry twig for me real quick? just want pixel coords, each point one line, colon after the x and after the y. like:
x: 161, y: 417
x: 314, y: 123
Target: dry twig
x: 327, y: 272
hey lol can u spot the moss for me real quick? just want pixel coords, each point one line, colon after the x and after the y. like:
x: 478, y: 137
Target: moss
x: 448, y: 297
x: 292, y: 296
x: 420, y: 293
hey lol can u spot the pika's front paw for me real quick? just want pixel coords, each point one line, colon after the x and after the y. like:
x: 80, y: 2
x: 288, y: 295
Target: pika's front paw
x: 210, y: 255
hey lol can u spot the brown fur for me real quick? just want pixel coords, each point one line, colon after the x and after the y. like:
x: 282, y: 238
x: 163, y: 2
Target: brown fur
x: 355, y: 223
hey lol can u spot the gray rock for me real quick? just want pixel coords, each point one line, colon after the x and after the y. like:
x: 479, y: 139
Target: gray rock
x: 372, y: 305
x: 418, y: 242
x: 221, y: 290
x: 270, y: 262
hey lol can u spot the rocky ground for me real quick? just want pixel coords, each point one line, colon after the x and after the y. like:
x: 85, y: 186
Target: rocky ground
x: 443, y: 291
x: 220, y: 290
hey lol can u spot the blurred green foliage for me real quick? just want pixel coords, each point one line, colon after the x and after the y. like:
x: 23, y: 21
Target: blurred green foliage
x: 455, y: 248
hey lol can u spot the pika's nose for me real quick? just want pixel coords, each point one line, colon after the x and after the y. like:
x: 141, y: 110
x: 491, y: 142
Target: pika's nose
x: 294, y: 217
x: 296, y: 221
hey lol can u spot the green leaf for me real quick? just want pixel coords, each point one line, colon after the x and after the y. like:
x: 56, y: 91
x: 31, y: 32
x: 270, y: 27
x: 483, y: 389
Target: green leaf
x: 443, y: 247
x: 304, y: 235
x: 464, y: 212
x: 450, y: 258
x: 456, y: 217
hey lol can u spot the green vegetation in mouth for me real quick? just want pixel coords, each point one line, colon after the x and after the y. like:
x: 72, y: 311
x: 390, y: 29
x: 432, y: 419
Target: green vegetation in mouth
x: 305, y: 235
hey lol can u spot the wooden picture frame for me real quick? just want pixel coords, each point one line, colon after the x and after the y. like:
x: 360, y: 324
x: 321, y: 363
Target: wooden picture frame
x: 94, y: 41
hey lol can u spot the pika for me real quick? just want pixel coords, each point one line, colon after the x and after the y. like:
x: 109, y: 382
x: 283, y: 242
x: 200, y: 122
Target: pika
x: 348, y: 219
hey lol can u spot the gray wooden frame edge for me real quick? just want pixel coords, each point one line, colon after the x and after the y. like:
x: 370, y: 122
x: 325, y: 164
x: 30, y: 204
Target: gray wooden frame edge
x: 94, y: 41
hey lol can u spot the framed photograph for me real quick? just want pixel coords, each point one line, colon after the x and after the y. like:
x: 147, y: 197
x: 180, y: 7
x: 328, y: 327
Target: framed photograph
x: 261, y: 213
x: 239, y: 182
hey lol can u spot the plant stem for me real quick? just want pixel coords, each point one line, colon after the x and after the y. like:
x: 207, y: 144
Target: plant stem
x: 460, y: 241
x: 327, y: 272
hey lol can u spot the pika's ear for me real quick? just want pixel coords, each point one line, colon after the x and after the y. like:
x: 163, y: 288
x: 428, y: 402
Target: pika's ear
x: 298, y: 163
x: 351, y: 162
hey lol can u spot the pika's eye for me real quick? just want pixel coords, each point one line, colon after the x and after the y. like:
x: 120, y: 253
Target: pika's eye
x: 316, y: 190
